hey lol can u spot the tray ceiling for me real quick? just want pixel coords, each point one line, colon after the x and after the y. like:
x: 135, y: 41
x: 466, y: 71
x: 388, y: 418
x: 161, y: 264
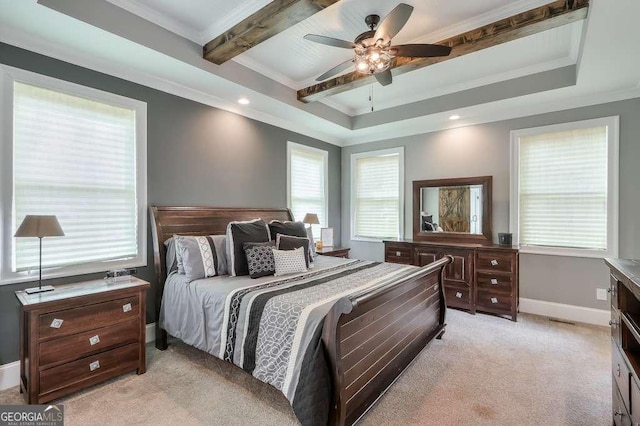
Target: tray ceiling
x: 159, y: 43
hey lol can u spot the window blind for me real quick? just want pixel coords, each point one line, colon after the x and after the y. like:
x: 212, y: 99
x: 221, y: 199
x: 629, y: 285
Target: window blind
x: 74, y: 158
x: 563, y: 189
x: 308, y: 185
x: 377, y: 197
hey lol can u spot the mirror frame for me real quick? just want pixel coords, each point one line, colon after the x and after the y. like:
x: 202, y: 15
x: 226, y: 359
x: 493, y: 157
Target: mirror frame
x: 486, y: 238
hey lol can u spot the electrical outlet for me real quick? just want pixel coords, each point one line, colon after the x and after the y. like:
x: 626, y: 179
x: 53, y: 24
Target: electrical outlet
x: 601, y: 293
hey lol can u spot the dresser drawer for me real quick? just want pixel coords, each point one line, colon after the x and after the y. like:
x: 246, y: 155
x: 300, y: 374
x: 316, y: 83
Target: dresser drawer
x: 76, y: 320
x: 76, y: 346
x: 494, y: 301
x: 616, y: 332
x: 621, y: 374
x: 398, y: 254
x: 620, y: 414
x: 90, y: 369
x: 457, y: 296
x: 495, y: 261
x: 494, y: 282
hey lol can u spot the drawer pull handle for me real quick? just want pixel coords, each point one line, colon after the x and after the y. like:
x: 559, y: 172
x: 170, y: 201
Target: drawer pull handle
x: 494, y: 300
x: 617, y: 414
x: 94, y: 340
x: 459, y: 295
x: 618, y: 370
x: 494, y: 262
x: 613, y: 323
x: 126, y: 308
x: 435, y: 287
x: 494, y: 281
x: 56, y: 323
x: 398, y: 254
x: 94, y: 365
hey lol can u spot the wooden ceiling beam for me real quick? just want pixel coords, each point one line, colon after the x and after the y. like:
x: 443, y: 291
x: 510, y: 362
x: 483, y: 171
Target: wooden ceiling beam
x: 552, y: 15
x: 272, y: 19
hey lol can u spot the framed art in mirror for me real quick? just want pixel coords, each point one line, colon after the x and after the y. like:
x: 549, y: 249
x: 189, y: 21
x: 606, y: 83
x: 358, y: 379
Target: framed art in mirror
x: 453, y: 210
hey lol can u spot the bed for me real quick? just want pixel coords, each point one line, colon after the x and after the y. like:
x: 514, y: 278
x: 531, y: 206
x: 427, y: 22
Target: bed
x: 348, y: 329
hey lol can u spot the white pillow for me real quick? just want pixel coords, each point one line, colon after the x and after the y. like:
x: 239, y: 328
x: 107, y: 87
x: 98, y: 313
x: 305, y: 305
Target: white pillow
x: 289, y: 261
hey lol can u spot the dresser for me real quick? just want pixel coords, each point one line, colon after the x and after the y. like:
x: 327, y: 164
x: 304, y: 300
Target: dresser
x: 624, y: 289
x: 481, y: 278
x: 79, y: 335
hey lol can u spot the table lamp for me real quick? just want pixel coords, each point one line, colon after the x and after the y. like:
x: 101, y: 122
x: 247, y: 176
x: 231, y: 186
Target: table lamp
x: 39, y: 226
x: 311, y: 219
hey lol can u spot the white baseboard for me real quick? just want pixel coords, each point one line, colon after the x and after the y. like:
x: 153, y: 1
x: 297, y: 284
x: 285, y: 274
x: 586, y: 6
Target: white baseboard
x: 10, y: 373
x: 565, y: 312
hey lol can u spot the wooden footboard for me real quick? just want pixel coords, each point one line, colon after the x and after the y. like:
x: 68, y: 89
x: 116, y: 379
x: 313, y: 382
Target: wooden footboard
x: 374, y: 338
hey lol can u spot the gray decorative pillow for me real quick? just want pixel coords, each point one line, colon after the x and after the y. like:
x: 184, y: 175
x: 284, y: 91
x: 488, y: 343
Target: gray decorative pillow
x: 289, y: 261
x: 220, y: 245
x: 171, y: 255
x: 199, y: 256
x: 293, y: 229
x: 260, y: 259
x: 288, y: 242
x: 238, y: 233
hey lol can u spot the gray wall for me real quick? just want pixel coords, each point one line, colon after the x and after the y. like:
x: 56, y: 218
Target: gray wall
x: 484, y: 150
x: 197, y: 155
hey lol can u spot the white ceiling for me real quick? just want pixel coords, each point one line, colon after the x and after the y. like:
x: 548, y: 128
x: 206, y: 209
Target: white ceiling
x: 158, y: 43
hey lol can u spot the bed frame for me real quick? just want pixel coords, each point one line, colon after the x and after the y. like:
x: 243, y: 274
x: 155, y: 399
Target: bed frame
x: 369, y: 342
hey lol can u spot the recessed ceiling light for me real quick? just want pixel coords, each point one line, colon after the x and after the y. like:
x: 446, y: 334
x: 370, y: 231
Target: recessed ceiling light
x: 243, y: 101
x: 454, y: 117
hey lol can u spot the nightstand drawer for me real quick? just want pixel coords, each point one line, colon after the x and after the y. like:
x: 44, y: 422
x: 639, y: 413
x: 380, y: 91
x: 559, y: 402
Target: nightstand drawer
x: 76, y: 320
x: 90, y: 369
x: 494, y: 301
x: 495, y: 261
x: 494, y: 282
x: 68, y: 348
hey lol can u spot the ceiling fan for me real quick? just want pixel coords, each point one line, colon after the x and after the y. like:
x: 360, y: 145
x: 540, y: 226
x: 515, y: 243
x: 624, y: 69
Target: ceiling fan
x: 373, y: 50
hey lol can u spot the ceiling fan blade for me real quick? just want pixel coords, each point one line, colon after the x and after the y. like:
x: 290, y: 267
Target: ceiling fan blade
x: 384, y: 78
x: 330, y: 41
x: 393, y: 23
x: 336, y: 70
x: 420, y: 50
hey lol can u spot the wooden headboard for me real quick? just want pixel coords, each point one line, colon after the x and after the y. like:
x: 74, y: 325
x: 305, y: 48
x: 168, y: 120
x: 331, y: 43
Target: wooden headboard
x: 167, y: 221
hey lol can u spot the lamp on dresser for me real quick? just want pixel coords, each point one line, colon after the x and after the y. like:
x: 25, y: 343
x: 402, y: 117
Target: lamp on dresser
x: 39, y: 226
x: 310, y: 219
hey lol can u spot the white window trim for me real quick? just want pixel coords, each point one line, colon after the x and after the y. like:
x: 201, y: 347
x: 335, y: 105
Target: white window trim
x: 613, y: 172
x: 8, y: 75
x: 325, y: 160
x: 356, y: 156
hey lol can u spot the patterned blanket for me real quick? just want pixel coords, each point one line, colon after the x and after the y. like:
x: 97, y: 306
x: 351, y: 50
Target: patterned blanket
x: 273, y: 329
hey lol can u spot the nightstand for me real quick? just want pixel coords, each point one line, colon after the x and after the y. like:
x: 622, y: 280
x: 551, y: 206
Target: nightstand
x: 334, y: 252
x: 79, y: 335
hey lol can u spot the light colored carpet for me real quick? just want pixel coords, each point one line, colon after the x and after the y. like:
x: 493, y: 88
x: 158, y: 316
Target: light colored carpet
x: 485, y: 371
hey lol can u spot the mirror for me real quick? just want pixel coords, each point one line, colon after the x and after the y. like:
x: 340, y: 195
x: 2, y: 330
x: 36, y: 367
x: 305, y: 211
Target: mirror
x: 456, y: 210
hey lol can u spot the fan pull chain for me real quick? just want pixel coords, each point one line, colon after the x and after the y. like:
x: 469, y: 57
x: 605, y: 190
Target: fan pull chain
x: 371, y: 96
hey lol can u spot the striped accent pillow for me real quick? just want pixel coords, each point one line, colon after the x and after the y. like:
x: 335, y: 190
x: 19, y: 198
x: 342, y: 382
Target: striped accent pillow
x: 199, y: 256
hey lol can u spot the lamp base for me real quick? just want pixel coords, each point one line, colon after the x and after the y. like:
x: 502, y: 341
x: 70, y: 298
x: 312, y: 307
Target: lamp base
x: 35, y: 290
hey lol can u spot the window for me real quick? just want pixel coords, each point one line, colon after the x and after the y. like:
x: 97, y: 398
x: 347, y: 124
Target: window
x: 307, y: 181
x: 80, y: 154
x: 377, y: 194
x: 564, y: 188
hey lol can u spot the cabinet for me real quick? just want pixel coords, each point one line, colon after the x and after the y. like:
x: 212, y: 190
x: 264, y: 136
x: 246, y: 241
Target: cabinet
x: 624, y: 289
x: 480, y: 278
x: 79, y: 335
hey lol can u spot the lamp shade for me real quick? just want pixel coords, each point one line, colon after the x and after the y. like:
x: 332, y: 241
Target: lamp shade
x: 39, y: 226
x: 311, y: 219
